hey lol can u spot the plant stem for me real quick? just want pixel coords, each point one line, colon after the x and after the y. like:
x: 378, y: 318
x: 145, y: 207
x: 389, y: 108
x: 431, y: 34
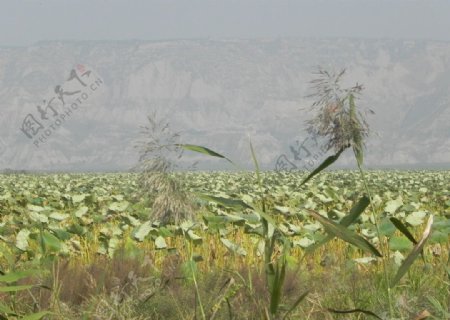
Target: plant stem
x: 384, y: 252
x: 197, y: 292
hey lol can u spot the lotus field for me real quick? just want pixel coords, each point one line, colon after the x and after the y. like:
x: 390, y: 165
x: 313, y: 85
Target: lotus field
x: 87, y: 246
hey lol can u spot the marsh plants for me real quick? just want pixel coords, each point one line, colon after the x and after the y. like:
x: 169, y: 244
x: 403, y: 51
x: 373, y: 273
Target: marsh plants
x: 348, y: 129
x: 337, y: 120
x: 159, y: 152
x: 74, y: 245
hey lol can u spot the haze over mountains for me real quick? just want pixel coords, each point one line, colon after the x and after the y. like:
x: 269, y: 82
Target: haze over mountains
x: 220, y: 93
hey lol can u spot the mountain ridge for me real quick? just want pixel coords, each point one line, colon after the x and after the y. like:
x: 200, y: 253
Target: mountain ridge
x: 222, y: 92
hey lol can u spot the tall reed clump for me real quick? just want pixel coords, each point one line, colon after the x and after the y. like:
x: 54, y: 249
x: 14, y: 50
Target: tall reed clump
x: 343, y: 126
x: 159, y: 152
x: 172, y: 204
x: 336, y: 116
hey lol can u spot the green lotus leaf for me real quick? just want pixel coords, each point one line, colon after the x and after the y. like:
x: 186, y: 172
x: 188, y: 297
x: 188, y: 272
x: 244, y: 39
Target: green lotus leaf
x: 142, y: 231
x: 303, y: 242
x: 416, y: 218
x: 160, y: 243
x: 393, y: 205
x: 78, y: 198
x: 400, y: 244
x: 119, y: 206
x: 81, y: 211
x: 58, y: 216
x: 233, y: 247
x: 22, y: 239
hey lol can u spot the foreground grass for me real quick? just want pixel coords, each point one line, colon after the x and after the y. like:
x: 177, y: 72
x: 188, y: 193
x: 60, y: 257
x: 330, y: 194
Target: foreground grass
x: 155, y: 286
x: 93, y: 277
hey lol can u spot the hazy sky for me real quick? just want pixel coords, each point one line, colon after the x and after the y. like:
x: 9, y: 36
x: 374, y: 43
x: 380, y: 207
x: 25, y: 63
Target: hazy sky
x: 23, y: 22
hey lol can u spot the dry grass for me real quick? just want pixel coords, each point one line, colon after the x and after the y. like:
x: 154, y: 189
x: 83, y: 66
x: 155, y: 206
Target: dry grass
x: 232, y: 287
